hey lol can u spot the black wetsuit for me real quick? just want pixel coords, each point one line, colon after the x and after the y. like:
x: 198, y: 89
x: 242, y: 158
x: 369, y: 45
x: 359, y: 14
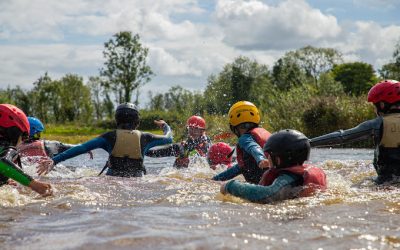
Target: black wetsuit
x: 386, y: 158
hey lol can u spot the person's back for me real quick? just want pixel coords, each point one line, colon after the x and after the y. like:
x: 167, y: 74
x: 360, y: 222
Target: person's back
x: 126, y: 145
x: 384, y: 129
x: 288, y: 176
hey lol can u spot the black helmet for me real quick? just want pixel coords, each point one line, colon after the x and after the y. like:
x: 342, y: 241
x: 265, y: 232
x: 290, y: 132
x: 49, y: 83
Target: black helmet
x: 291, y: 146
x: 127, y: 116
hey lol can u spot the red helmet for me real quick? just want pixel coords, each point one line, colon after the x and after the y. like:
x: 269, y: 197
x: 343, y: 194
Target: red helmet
x: 220, y: 153
x: 385, y: 91
x: 196, y: 122
x: 11, y: 116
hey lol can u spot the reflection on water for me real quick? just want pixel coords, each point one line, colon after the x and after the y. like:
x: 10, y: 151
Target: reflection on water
x: 183, y: 209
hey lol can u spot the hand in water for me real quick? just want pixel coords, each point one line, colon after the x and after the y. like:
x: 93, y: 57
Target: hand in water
x: 222, y: 188
x: 42, y: 188
x: 263, y: 164
x: 160, y: 123
x: 45, y: 166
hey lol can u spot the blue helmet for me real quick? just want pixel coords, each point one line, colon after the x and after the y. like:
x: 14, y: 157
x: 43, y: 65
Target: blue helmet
x: 36, y: 126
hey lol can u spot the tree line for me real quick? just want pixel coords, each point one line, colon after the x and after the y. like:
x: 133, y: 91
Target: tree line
x: 310, y: 89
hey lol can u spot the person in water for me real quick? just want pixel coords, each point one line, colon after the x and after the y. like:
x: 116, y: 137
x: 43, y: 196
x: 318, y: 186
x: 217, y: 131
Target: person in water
x: 14, y: 126
x: 288, y: 176
x: 244, y: 120
x: 126, y: 145
x: 36, y: 147
x: 197, y: 143
x: 220, y: 153
x: 384, y: 129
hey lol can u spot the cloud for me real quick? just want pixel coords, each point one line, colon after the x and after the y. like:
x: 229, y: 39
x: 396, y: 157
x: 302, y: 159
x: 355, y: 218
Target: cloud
x: 370, y: 42
x: 290, y: 24
x: 22, y: 65
x: 187, y: 42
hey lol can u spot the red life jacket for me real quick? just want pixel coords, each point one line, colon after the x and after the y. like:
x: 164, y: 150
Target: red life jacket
x: 32, y: 148
x: 260, y: 135
x: 313, y: 178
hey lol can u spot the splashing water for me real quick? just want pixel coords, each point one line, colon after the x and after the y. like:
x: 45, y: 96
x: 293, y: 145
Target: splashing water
x: 182, y: 208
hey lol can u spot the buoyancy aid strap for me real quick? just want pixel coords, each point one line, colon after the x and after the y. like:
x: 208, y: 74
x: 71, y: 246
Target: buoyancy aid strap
x: 391, y: 131
x: 127, y: 144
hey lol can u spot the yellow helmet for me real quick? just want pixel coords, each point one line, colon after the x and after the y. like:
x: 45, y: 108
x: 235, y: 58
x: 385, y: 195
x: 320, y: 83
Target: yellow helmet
x: 242, y: 112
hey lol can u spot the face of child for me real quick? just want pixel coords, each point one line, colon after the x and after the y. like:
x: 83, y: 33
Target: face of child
x: 195, y: 132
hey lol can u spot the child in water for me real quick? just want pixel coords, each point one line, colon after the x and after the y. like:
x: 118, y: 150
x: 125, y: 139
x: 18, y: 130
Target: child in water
x: 384, y: 129
x: 197, y: 143
x: 126, y: 145
x: 288, y: 177
x: 244, y: 119
x: 220, y: 153
x: 14, y: 126
x: 36, y: 147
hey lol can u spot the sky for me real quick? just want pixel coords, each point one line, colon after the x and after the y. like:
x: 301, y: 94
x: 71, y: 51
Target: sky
x: 188, y: 40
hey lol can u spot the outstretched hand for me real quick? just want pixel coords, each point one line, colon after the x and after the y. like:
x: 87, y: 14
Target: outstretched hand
x: 159, y: 123
x: 45, y: 166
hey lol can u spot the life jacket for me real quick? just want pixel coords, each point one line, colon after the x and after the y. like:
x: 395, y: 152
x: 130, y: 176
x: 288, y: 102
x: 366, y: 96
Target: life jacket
x: 126, y: 158
x: 32, y: 148
x: 248, y: 165
x: 387, y: 155
x: 313, y: 178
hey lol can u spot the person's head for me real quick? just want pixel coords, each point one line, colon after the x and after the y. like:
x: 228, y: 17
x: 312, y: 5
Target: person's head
x: 36, y: 127
x: 243, y: 116
x: 14, y: 125
x: 196, y: 126
x: 287, y: 148
x: 127, y: 116
x: 219, y: 153
x: 385, y: 95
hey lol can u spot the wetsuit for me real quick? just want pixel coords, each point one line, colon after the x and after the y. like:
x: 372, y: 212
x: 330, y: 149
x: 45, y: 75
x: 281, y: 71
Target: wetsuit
x: 182, y: 150
x: 252, y: 154
x: 48, y: 148
x: 385, y: 131
x: 126, y: 157
x: 280, y: 184
x: 8, y: 168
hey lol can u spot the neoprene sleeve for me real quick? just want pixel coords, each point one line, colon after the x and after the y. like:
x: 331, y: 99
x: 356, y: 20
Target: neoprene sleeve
x: 9, y: 170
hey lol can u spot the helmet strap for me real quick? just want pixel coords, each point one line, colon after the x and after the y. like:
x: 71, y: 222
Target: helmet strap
x: 382, y: 108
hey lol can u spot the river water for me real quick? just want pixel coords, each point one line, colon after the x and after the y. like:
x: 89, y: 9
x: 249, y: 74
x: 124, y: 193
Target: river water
x: 183, y: 209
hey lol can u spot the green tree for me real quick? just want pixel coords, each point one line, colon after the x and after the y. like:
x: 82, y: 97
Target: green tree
x: 391, y: 70
x: 97, y: 94
x: 356, y: 78
x: 75, y: 99
x: 240, y: 80
x: 286, y: 73
x: 125, y: 68
x: 302, y: 65
x: 45, y: 99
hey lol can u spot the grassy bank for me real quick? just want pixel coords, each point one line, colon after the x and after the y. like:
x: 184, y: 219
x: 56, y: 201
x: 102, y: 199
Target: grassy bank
x: 75, y: 134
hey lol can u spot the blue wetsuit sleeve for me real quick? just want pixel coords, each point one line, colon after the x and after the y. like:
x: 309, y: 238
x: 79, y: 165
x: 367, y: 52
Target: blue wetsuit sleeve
x: 365, y: 130
x: 151, y: 140
x: 263, y: 194
x: 228, y: 174
x: 98, y: 142
x: 248, y: 144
